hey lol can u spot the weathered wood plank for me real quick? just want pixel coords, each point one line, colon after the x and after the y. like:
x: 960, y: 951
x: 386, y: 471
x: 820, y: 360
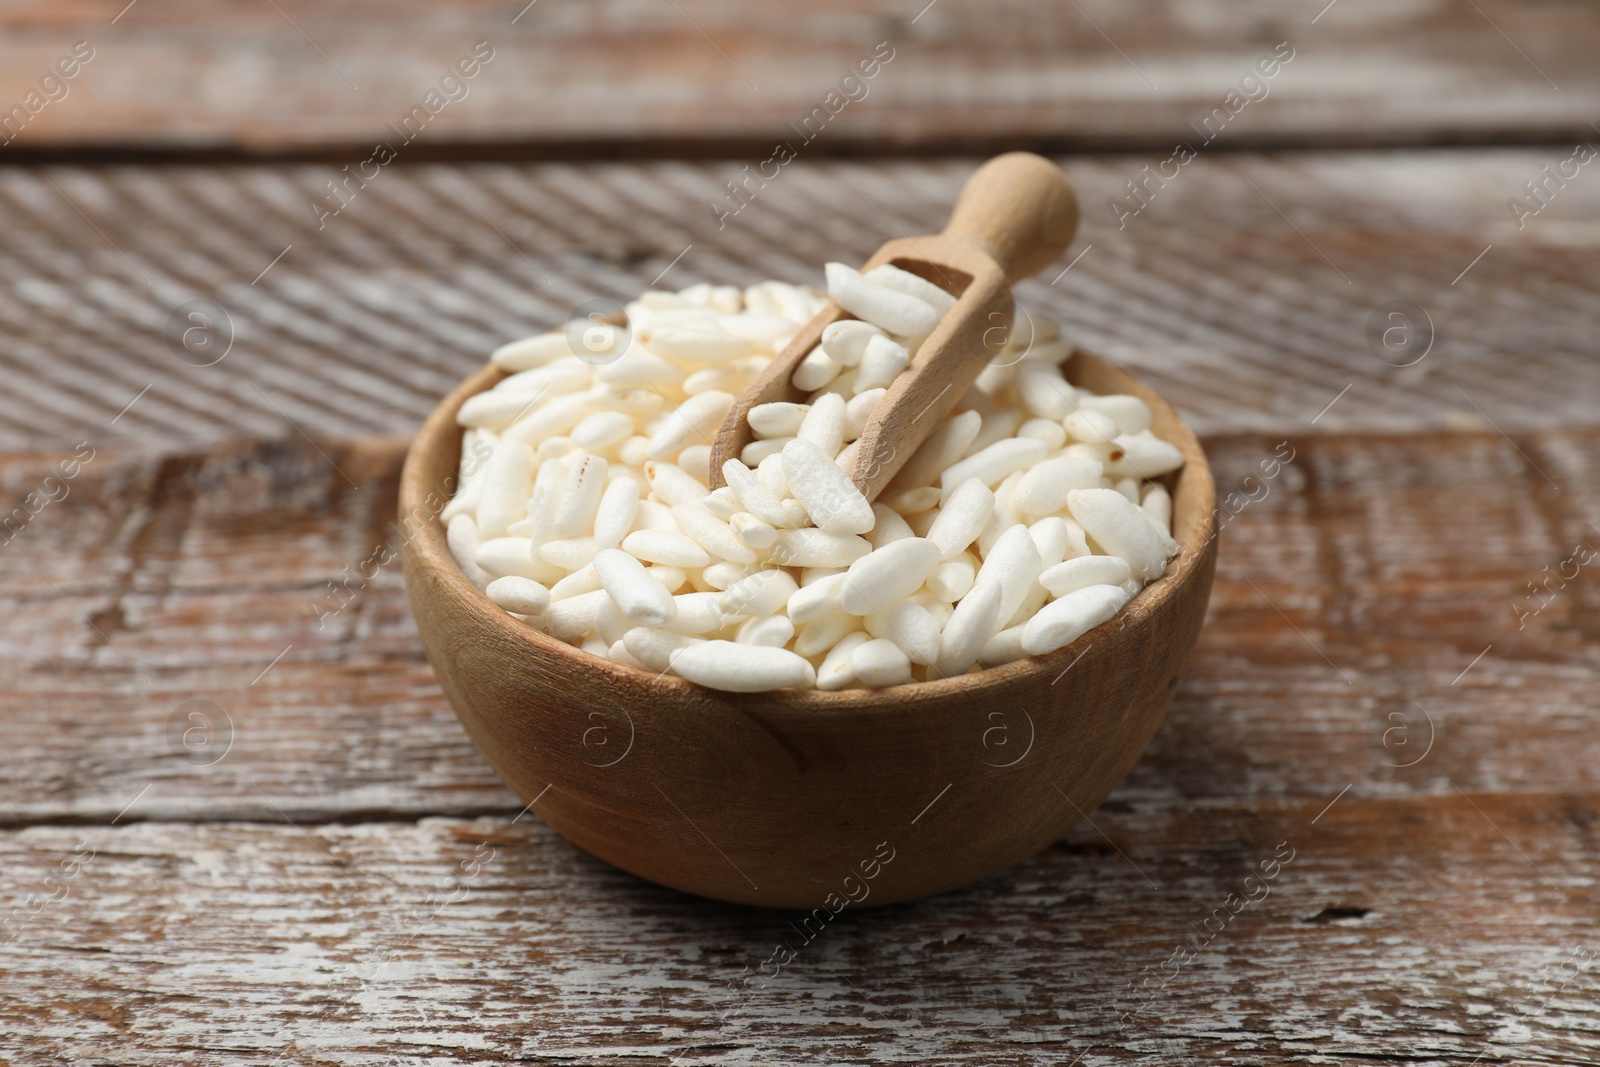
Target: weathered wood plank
x: 1373, y: 630
x: 1452, y: 929
x: 287, y: 74
x: 1353, y: 599
x: 1209, y: 293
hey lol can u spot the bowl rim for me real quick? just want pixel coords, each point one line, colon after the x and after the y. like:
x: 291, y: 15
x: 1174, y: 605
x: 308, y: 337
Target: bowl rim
x: 422, y: 530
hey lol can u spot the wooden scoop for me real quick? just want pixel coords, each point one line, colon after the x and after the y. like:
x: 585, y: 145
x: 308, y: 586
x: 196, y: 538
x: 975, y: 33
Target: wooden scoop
x: 1016, y: 215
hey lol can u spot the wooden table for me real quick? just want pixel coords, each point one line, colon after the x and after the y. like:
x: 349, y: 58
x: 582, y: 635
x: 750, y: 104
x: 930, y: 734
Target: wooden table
x: 241, y: 824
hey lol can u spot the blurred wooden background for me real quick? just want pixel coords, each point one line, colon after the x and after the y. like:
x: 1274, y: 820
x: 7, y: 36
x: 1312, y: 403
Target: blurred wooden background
x: 1397, y: 680
x: 674, y: 75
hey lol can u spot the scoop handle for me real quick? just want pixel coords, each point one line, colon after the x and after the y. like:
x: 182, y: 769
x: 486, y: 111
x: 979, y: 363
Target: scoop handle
x: 1019, y: 209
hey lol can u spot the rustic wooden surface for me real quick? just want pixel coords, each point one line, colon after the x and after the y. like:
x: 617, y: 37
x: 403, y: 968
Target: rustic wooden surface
x: 1251, y: 318
x: 294, y: 75
x: 320, y: 889
x: 332, y: 875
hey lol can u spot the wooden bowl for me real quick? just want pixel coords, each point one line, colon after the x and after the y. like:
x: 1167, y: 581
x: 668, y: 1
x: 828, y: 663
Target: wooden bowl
x: 808, y: 800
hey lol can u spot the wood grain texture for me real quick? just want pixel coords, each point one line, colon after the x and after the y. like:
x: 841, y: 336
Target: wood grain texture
x: 1364, y: 633
x: 324, y: 891
x: 291, y: 74
x: 1210, y: 295
x: 202, y: 568
x: 1402, y: 930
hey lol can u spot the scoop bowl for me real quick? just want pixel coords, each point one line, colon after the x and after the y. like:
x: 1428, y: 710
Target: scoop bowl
x: 808, y: 800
